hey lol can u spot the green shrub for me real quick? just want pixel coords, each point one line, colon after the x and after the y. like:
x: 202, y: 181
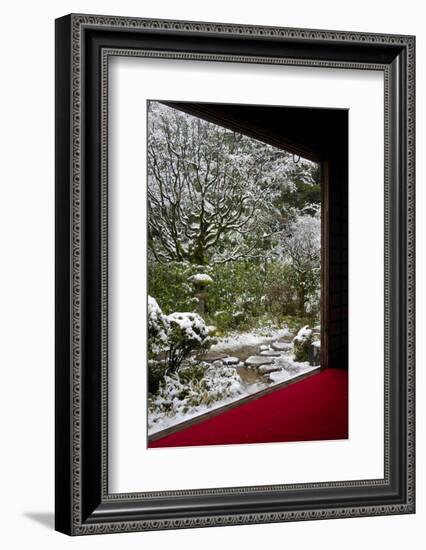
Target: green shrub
x: 158, y: 329
x: 156, y: 373
x: 169, y: 284
x: 192, y: 388
x: 243, y: 294
x: 187, y: 334
x: 193, y: 372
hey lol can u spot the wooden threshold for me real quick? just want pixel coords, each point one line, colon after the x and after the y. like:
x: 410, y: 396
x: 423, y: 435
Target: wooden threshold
x: 219, y: 410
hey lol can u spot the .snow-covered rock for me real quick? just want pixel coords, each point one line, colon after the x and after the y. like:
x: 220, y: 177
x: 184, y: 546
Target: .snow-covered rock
x: 304, y: 333
x: 266, y: 369
x: 279, y: 376
x: 257, y: 361
x: 270, y: 353
x: 281, y: 346
x: 211, y: 357
x: 230, y: 360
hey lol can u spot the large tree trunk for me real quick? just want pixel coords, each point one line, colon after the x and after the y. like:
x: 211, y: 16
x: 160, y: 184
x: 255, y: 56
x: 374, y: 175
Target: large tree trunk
x: 301, y: 300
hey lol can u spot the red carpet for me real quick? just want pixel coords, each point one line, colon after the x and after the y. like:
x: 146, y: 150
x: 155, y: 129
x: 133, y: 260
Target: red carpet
x: 314, y: 408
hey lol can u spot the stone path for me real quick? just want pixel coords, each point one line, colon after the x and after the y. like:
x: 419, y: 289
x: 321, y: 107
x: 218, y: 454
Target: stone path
x: 261, y: 363
x: 269, y: 353
x: 256, y: 363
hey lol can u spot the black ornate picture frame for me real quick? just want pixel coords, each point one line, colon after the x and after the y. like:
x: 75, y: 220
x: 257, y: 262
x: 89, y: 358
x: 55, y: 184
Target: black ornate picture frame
x: 84, y: 43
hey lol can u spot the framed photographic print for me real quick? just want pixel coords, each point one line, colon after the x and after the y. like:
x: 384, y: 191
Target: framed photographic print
x: 234, y: 274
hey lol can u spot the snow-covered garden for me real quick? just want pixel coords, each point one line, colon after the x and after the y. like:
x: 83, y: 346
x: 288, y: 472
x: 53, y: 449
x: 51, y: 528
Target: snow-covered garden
x: 234, y: 254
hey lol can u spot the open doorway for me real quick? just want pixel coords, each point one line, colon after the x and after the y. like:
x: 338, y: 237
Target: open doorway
x: 238, y: 261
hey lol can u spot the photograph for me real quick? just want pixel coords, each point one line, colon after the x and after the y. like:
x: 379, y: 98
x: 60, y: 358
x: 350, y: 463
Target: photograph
x: 209, y: 284
x: 234, y: 267
x: 234, y: 284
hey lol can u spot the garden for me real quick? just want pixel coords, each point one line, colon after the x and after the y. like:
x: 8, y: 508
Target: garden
x: 234, y: 266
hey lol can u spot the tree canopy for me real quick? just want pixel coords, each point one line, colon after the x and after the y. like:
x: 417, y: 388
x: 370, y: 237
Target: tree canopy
x: 215, y: 195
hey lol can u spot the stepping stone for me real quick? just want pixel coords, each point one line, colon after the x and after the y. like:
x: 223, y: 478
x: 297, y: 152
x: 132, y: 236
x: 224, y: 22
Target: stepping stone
x: 230, y: 361
x: 263, y: 347
x: 212, y: 357
x: 270, y: 353
x: 257, y: 361
x: 266, y: 369
x: 281, y: 346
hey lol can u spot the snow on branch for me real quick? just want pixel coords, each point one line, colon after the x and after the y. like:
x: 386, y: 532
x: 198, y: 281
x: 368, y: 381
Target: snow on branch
x: 210, y: 190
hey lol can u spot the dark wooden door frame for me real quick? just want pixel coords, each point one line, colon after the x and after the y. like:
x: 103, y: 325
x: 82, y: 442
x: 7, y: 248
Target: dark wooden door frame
x: 325, y: 258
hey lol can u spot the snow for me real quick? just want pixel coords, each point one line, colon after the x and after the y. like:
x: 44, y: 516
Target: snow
x: 161, y: 423
x: 191, y: 324
x: 179, y: 400
x: 222, y: 382
x: 283, y: 375
x: 211, y: 329
x: 157, y: 326
x: 158, y: 423
x: 201, y: 278
x: 230, y: 360
x: 155, y: 315
x: 152, y: 304
x: 266, y: 369
x: 257, y: 361
x: 281, y: 346
x: 253, y: 338
x: 303, y: 334
x: 231, y: 170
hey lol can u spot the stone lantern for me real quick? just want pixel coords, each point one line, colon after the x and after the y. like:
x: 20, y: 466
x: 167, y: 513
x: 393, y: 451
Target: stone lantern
x: 201, y: 282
